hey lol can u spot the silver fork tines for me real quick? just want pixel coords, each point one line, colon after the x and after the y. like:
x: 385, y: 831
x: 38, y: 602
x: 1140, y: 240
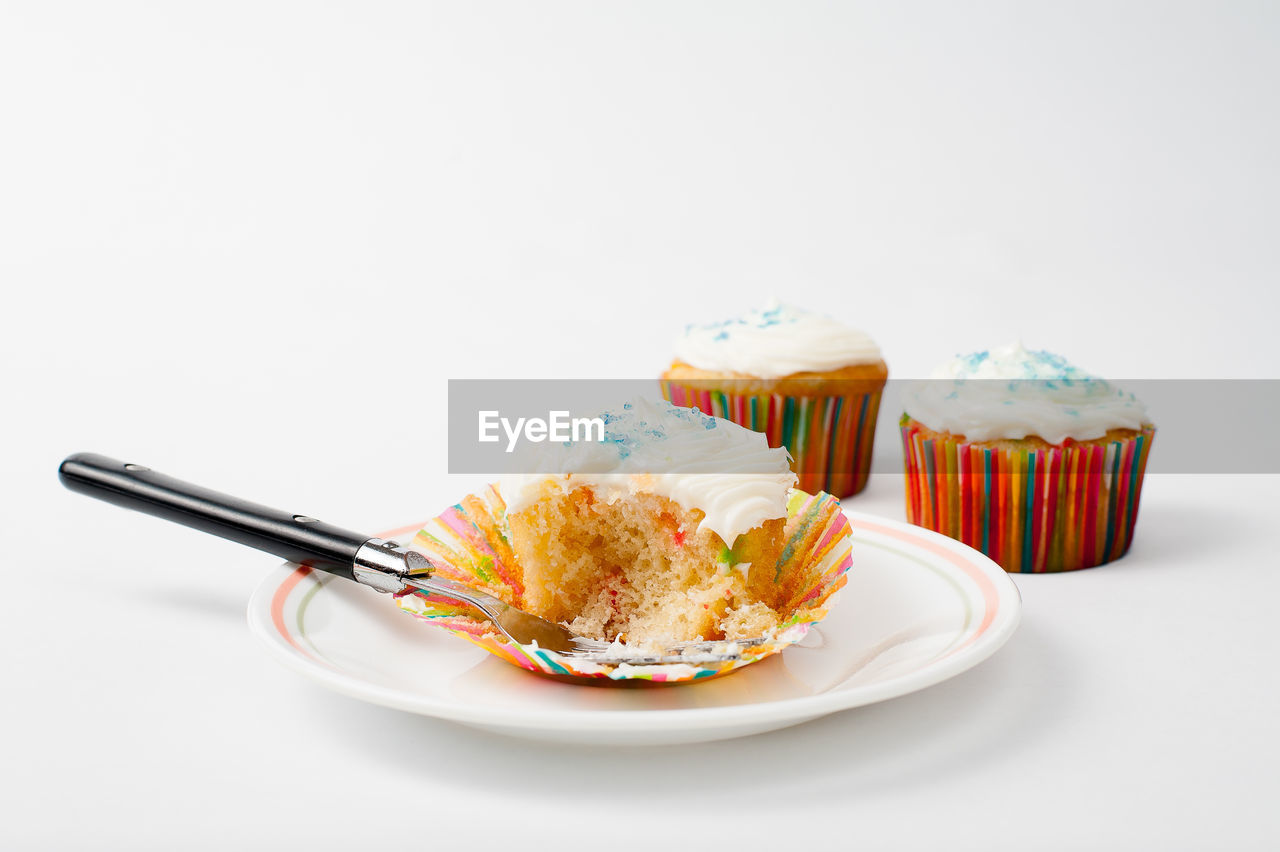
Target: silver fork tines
x: 526, y: 629
x: 718, y: 650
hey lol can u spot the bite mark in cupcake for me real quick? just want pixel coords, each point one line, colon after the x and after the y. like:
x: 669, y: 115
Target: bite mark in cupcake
x: 652, y: 534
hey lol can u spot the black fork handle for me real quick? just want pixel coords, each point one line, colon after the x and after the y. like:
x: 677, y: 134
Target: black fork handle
x: 297, y: 538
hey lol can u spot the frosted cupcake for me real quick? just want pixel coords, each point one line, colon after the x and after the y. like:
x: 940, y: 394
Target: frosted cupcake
x: 670, y: 529
x: 808, y: 382
x: 664, y: 526
x: 1027, y: 458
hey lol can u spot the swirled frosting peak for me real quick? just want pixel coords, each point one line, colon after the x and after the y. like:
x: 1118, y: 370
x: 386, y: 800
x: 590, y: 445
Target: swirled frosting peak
x: 700, y: 462
x: 775, y: 341
x: 1013, y: 392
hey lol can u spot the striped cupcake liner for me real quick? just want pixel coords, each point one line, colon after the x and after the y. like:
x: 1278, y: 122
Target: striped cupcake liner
x: 1032, y: 511
x: 470, y: 543
x: 829, y: 437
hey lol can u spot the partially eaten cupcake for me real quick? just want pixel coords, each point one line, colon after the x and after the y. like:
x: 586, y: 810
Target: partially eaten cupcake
x: 670, y: 529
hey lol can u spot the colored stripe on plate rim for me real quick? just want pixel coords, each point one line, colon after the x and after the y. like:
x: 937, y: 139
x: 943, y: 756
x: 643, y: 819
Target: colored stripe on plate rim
x: 291, y: 582
x: 990, y: 597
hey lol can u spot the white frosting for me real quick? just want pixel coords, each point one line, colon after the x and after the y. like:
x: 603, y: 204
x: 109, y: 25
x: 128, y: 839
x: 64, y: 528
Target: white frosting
x: 700, y: 462
x: 1012, y: 392
x: 774, y: 342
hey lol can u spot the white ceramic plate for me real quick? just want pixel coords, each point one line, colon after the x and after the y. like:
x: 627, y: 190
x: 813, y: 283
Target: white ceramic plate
x: 919, y: 608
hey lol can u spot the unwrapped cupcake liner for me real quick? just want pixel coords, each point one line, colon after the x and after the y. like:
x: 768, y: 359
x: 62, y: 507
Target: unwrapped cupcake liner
x: 829, y: 437
x: 1033, y: 511
x: 470, y: 543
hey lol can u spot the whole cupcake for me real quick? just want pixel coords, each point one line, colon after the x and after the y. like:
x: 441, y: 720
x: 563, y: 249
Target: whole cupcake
x: 809, y: 383
x: 1027, y: 458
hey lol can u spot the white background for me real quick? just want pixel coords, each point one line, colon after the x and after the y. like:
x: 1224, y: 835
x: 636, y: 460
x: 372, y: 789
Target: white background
x: 248, y: 243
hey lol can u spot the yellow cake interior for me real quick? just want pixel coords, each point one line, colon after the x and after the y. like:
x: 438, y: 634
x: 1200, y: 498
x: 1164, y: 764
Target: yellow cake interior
x: 637, y: 566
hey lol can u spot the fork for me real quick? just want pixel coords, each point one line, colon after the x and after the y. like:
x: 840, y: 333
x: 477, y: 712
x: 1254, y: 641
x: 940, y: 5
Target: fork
x: 386, y: 566
x: 525, y: 628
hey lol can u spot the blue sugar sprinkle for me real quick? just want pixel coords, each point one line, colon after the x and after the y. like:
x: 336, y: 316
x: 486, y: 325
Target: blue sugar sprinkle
x: 763, y: 319
x: 628, y: 432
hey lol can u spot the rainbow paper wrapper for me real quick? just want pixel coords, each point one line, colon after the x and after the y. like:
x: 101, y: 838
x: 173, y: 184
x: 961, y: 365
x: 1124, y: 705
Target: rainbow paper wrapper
x: 829, y: 437
x: 470, y: 543
x: 1033, y: 511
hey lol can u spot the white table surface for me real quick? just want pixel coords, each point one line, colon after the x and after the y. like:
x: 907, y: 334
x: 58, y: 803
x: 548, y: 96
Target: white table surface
x: 247, y: 244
